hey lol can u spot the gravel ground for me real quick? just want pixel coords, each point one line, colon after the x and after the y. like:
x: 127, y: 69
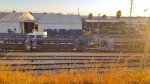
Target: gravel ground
x: 68, y: 54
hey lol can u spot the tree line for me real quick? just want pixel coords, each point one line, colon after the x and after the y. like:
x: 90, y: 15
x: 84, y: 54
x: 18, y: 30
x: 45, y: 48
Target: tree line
x: 118, y: 15
x: 88, y: 26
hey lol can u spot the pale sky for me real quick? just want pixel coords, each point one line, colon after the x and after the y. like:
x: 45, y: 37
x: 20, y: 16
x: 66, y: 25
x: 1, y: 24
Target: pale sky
x: 108, y: 7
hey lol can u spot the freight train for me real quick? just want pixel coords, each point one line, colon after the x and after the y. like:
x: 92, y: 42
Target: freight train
x: 38, y: 43
x: 98, y: 43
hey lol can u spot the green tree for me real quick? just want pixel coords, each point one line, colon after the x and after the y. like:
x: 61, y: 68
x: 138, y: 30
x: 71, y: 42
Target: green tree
x: 104, y: 17
x: 44, y: 13
x: 14, y: 11
x: 118, y: 14
x: 90, y: 16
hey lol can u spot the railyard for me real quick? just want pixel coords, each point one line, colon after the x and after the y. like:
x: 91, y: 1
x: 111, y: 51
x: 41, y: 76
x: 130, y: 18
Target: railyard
x: 56, y: 61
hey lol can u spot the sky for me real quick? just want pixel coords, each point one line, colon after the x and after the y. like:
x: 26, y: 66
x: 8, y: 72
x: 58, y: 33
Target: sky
x: 108, y: 7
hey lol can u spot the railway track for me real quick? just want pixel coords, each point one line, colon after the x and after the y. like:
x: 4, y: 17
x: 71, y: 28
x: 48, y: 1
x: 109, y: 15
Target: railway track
x: 65, y: 61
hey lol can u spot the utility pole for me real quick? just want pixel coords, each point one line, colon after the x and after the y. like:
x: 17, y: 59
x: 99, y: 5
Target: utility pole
x: 22, y: 25
x: 147, y: 44
x: 131, y: 11
x: 98, y: 23
x: 78, y: 11
x: 131, y: 8
x: 146, y: 48
x: 98, y: 20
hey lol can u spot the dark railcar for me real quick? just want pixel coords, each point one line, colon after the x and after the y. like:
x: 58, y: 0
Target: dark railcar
x: 26, y: 42
x: 56, y: 44
x: 14, y: 42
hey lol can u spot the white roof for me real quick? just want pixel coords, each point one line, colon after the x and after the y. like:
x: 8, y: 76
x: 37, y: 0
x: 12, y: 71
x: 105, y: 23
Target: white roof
x: 57, y: 18
x: 18, y: 17
x: 2, y: 14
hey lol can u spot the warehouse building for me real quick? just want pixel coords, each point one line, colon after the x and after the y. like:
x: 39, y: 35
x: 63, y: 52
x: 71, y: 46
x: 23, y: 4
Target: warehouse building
x: 2, y: 14
x: 57, y: 21
x: 17, y: 23
x: 26, y: 22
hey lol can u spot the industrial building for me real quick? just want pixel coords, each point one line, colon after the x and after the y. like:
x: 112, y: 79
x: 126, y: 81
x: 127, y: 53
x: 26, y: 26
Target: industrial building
x: 2, y: 14
x: 57, y: 21
x: 27, y: 22
x: 17, y: 23
x: 136, y: 21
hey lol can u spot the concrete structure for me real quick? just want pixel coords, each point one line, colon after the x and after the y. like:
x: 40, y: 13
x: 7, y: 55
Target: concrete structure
x: 58, y: 21
x: 16, y: 23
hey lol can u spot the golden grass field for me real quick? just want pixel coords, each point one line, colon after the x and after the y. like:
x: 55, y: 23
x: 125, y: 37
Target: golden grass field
x: 114, y: 75
x: 109, y: 76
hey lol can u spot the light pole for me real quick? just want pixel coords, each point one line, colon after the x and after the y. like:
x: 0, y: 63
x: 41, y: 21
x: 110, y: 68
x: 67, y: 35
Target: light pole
x: 147, y: 43
x: 98, y: 20
x: 22, y: 24
x: 146, y: 49
x: 98, y: 24
x: 131, y: 11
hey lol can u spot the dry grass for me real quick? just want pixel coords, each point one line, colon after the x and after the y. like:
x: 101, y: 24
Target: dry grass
x: 114, y: 75
x: 111, y: 76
